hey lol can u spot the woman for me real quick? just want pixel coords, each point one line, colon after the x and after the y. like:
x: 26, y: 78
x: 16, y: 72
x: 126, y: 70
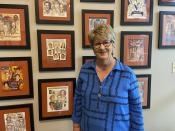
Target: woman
x: 107, y: 95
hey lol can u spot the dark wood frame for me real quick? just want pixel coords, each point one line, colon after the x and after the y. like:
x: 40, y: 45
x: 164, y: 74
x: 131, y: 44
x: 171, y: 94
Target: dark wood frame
x: 87, y: 58
x: 100, y: 1
x: 162, y: 28
x: 148, y: 90
x: 68, y: 64
x: 22, y: 10
x: 136, y: 21
x: 123, y: 49
x: 27, y: 108
x: 27, y: 92
x: 166, y: 2
x: 43, y: 113
x: 40, y: 19
x: 85, y: 23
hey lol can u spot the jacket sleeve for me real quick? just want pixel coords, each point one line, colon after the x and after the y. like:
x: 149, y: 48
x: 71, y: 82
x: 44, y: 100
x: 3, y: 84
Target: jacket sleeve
x: 76, y: 116
x: 135, y: 105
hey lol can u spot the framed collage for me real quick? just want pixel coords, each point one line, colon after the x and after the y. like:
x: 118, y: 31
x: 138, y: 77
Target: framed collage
x: 166, y: 29
x: 56, y: 50
x: 145, y: 89
x: 166, y: 2
x: 136, y: 12
x: 17, y: 118
x: 54, y: 12
x: 136, y: 49
x: 16, y: 80
x: 14, y: 27
x: 56, y: 98
x: 90, y: 19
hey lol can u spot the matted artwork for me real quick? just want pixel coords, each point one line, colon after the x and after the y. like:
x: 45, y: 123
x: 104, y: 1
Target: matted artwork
x: 54, y: 12
x: 166, y: 2
x: 56, y: 98
x: 136, y: 12
x: 17, y: 118
x: 103, y: 1
x: 14, y: 27
x: 56, y: 50
x: 90, y: 19
x: 136, y: 49
x: 145, y: 89
x: 16, y: 79
x: 166, y: 29
x: 87, y: 58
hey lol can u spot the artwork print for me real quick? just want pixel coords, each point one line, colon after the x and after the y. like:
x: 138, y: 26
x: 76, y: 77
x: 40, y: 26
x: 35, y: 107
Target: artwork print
x: 12, y: 78
x: 10, y: 27
x: 15, y: 121
x: 58, y: 98
x: 55, y: 8
x: 94, y: 22
x: 137, y: 9
x: 136, y: 50
x: 168, y: 30
x: 56, y: 49
x: 141, y: 90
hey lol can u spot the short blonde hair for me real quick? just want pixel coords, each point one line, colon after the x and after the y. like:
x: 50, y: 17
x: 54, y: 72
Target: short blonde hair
x: 101, y: 32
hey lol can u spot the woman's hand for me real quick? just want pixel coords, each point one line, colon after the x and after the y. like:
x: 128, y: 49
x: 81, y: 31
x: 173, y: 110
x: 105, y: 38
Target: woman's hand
x: 76, y: 127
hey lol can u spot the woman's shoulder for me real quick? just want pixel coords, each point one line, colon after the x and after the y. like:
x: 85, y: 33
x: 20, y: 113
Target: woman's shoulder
x: 124, y: 67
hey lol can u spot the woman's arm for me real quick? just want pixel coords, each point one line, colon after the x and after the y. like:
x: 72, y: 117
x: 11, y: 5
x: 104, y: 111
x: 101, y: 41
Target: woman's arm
x: 135, y: 106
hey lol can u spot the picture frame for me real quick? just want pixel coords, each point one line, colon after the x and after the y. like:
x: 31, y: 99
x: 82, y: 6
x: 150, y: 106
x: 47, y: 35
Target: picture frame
x: 87, y: 58
x: 136, y: 14
x: 166, y: 2
x: 61, y: 13
x: 166, y: 30
x: 56, y: 98
x: 144, y: 81
x: 14, y: 32
x: 17, y: 117
x: 16, y: 78
x: 100, y: 1
x: 136, y: 49
x: 56, y: 50
x: 90, y: 19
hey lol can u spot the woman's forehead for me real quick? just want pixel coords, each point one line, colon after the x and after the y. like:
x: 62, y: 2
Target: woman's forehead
x: 102, y: 37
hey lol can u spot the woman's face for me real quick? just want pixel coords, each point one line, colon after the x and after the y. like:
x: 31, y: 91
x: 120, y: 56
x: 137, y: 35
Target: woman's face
x: 103, y: 49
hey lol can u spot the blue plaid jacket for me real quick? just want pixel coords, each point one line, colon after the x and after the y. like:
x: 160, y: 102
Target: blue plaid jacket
x: 111, y: 105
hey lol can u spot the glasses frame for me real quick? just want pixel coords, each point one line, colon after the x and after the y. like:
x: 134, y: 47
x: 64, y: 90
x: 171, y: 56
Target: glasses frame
x: 106, y: 44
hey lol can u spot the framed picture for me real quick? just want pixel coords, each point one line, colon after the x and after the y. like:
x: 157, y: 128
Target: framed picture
x: 16, y: 79
x: 166, y: 2
x: 166, y: 29
x: 14, y: 27
x: 54, y: 12
x: 87, y: 58
x: 17, y: 118
x: 136, y: 12
x: 56, y: 50
x: 55, y: 98
x: 136, y: 49
x: 145, y: 89
x: 90, y: 19
x: 103, y: 1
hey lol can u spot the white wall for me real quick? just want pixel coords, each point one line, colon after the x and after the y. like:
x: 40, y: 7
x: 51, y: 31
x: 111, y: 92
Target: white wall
x: 160, y: 117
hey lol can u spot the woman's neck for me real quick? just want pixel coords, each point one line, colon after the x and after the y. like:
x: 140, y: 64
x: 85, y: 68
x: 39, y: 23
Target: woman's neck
x: 104, y: 64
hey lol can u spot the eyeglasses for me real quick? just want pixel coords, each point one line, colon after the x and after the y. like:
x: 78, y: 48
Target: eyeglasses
x: 106, y: 44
